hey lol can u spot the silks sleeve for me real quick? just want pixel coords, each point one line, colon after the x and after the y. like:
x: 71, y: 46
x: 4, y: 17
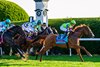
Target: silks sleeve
x: 70, y: 29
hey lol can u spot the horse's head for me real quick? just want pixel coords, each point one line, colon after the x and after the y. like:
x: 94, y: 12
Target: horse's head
x: 88, y: 31
x: 48, y: 30
x: 54, y: 30
x: 83, y: 30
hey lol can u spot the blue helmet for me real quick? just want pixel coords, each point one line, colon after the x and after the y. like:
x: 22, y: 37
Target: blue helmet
x: 8, y: 21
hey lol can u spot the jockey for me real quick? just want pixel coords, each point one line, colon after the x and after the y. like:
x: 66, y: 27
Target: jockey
x: 67, y: 27
x: 43, y: 27
x: 29, y: 26
x: 32, y: 24
x: 29, y: 29
x: 5, y: 25
x: 35, y: 28
x: 39, y: 26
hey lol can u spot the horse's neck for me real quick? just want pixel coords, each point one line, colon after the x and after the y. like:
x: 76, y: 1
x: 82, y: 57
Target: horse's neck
x: 49, y: 30
x: 77, y: 33
x: 55, y: 31
x: 18, y: 30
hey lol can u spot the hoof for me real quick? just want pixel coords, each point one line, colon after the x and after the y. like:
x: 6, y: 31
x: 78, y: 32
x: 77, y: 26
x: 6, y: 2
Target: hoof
x: 90, y: 55
x: 17, y: 54
x: 25, y: 55
x: 82, y: 60
x: 24, y: 59
x: 37, y: 53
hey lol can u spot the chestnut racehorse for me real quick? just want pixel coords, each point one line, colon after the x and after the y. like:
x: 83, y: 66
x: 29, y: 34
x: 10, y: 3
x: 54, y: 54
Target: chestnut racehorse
x: 73, y: 41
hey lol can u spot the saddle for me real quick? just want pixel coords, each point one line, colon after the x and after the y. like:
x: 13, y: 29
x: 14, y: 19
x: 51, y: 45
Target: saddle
x: 61, y: 39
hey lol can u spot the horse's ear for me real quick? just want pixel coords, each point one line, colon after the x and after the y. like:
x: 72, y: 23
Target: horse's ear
x: 84, y: 24
x: 81, y: 25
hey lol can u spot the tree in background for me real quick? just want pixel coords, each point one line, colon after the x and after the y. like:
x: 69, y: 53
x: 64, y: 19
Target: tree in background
x: 12, y: 11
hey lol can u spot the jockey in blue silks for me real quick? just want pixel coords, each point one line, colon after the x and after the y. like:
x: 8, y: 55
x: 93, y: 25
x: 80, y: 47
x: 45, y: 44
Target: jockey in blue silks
x: 4, y: 25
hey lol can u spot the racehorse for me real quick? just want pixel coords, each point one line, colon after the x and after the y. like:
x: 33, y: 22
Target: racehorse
x: 37, y: 42
x: 73, y: 41
x: 9, y: 37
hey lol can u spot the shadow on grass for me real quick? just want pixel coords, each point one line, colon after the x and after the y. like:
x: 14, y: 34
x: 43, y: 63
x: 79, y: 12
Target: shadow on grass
x: 9, y: 57
x: 21, y: 64
x: 73, y: 58
x: 69, y: 58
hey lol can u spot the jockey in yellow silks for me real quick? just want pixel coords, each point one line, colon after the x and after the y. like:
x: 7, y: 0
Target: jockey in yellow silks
x: 67, y: 27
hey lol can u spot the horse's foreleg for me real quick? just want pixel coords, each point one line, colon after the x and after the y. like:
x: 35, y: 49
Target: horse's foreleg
x: 11, y: 51
x: 40, y: 57
x: 14, y: 46
x: 36, y: 57
x: 79, y: 53
x: 22, y: 54
x: 43, y: 51
x: 87, y: 52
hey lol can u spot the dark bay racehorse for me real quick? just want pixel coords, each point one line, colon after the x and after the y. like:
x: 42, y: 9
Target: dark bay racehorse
x: 9, y: 37
x: 37, y: 42
x: 73, y: 40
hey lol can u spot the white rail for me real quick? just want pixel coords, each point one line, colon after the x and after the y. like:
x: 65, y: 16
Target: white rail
x: 89, y: 39
x: 84, y: 39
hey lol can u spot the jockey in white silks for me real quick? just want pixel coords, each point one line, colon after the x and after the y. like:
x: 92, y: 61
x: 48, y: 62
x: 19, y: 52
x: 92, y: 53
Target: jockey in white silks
x: 29, y: 28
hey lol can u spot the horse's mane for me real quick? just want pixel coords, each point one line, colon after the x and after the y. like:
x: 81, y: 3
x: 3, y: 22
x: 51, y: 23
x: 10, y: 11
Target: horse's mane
x: 16, y: 26
x: 79, y: 26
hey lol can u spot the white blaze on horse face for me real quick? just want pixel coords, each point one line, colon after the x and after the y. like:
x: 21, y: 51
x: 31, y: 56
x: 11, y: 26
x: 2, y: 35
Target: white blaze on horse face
x: 91, y: 32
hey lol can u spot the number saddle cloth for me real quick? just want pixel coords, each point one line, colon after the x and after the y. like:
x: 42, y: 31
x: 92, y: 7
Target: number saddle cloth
x: 61, y: 39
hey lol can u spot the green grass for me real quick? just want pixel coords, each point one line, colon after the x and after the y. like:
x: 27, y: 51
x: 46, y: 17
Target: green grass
x: 50, y: 61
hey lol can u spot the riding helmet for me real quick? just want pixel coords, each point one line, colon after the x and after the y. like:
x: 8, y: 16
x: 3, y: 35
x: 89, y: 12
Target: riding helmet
x: 73, y: 22
x: 8, y: 21
x: 39, y: 22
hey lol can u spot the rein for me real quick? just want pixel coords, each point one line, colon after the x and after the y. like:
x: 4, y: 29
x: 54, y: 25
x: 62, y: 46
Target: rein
x: 38, y: 36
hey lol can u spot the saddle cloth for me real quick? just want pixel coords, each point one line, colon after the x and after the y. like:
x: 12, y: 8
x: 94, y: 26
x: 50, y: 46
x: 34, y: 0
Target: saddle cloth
x: 60, y: 39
